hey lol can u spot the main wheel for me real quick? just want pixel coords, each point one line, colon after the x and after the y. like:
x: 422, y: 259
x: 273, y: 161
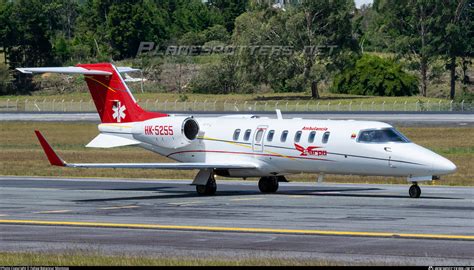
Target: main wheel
x: 268, y: 184
x: 414, y: 191
x: 209, y: 188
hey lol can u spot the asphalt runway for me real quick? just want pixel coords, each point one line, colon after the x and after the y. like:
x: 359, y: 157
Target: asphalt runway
x: 394, y: 118
x: 336, y: 222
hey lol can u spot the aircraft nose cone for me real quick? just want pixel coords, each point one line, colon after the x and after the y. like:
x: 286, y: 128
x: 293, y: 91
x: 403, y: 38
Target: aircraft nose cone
x: 442, y: 165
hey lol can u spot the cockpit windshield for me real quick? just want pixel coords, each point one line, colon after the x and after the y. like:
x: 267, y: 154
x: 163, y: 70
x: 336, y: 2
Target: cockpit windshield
x: 382, y: 136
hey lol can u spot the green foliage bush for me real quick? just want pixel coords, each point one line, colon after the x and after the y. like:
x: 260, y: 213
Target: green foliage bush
x: 5, y: 85
x: 217, y: 78
x: 375, y: 76
x: 217, y: 33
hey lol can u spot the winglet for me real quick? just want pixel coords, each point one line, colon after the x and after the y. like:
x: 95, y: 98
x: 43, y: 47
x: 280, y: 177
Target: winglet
x: 53, y: 158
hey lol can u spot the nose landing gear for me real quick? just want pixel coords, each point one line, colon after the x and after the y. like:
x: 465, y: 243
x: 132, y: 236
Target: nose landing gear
x: 414, y: 191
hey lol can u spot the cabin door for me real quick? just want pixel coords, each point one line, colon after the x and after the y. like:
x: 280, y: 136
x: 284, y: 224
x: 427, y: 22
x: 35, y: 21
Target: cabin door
x: 258, y: 138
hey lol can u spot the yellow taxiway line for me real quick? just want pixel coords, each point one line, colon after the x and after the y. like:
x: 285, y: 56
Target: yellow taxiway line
x: 235, y: 229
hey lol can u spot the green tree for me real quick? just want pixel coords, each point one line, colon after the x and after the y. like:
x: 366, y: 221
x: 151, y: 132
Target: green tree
x: 192, y: 16
x: 308, y: 30
x: 27, y: 35
x: 216, y: 33
x: 218, y: 78
x: 230, y: 10
x: 327, y: 23
x: 375, y: 76
x: 91, y: 30
x: 414, y: 29
x: 128, y: 24
x: 370, y: 36
x: 458, y: 36
x: 5, y: 80
x: 5, y: 11
x: 26, y: 39
x: 62, y: 15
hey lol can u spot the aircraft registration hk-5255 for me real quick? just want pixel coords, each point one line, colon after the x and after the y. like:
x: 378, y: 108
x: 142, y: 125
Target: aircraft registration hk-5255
x: 245, y: 145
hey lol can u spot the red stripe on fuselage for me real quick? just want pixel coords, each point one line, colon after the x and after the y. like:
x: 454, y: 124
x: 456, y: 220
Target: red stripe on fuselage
x: 245, y: 153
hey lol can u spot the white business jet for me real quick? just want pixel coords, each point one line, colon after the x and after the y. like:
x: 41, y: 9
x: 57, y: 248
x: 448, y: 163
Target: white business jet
x: 245, y: 145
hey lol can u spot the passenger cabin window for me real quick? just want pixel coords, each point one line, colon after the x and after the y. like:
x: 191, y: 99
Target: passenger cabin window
x: 384, y: 135
x: 326, y: 136
x: 236, y: 134
x: 284, y: 135
x: 270, y: 135
x: 247, y: 134
x: 298, y: 136
x: 311, y: 136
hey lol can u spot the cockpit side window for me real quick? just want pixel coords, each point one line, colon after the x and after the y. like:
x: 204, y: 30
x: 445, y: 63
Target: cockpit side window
x: 384, y: 135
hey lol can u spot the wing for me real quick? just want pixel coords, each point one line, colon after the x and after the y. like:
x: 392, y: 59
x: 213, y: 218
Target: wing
x: 55, y: 160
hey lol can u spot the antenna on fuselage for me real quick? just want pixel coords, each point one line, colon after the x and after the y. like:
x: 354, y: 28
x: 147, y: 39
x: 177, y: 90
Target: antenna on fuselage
x: 278, y: 112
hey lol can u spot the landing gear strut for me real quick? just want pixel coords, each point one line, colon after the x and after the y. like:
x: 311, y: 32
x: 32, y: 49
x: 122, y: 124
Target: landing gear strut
x: 209, y: 188
x: 414, y: 191
x: 268, y: 184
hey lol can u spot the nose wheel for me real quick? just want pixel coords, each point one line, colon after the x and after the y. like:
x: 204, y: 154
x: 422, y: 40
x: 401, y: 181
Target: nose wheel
x: 268, y: 184
x: 414, y: 191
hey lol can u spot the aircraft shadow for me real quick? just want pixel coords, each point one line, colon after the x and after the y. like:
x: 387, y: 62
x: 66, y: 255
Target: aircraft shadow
x: 322, y: 193
x: 166, y: 193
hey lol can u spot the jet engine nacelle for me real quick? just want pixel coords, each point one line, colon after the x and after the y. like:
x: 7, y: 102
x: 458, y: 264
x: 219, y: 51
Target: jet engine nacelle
x: 168, y: 132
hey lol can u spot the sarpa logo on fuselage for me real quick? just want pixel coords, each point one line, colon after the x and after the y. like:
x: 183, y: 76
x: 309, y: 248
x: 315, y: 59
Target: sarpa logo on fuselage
x: 311, y: 150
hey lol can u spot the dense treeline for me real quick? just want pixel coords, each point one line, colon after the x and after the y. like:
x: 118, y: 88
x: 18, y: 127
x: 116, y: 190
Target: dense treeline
x: 292, y: 47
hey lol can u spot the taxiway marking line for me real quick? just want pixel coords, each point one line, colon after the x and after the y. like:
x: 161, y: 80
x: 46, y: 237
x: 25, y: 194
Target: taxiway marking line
x: 235, y: 229
x: 246, y: 199
x: 184, y: 203
x: 119, y: 207
x: 53, y: 212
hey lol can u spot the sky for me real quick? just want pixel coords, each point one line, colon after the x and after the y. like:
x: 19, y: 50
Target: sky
x: 361, y: 2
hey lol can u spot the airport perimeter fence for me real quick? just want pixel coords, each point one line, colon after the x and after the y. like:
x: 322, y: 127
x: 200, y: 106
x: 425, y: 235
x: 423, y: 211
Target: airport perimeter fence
x: 47, y: 105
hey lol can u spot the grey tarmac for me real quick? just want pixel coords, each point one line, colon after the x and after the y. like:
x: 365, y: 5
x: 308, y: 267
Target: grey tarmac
x: 187, y: 220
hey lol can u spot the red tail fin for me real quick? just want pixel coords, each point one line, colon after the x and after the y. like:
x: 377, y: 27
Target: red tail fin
x: 112, y: 98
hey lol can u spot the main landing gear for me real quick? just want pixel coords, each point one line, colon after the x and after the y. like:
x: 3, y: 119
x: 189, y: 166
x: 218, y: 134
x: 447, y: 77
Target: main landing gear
x: 269, y: 184
x: 209, y: 188
x: 414, y: 191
